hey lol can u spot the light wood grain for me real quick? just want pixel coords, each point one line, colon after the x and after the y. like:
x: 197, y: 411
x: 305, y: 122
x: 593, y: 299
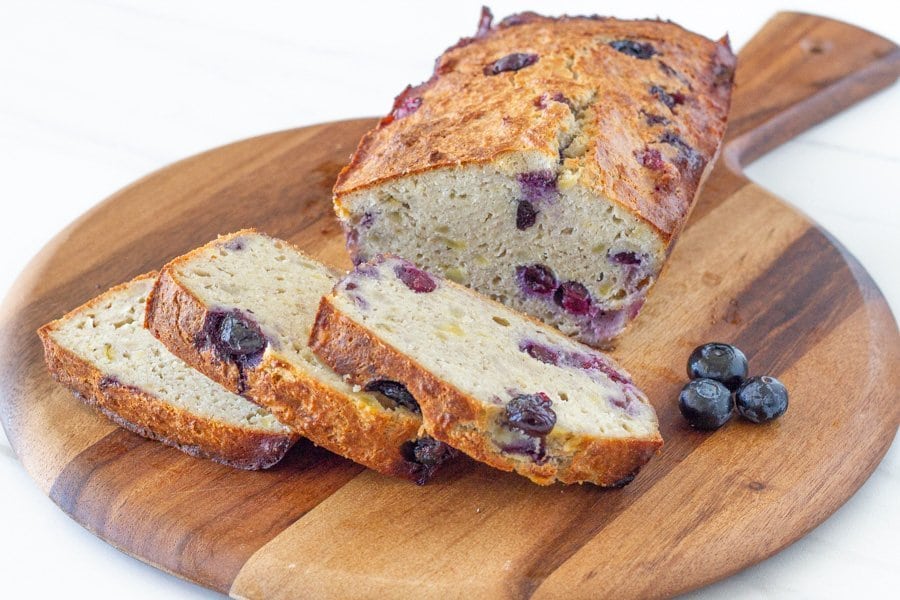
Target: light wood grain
x: 748, y: 269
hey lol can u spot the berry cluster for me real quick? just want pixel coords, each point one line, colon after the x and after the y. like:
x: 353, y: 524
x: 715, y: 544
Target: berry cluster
x: 719, y: 381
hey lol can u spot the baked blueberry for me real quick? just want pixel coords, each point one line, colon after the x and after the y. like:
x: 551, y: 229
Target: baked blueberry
x: 510, y: 62
x: 671, y: 100
x: 722, y: 362
x: 536, y: 279
x: 762, y: 399
x: 415, y: 279
x: 538, y: 186
x: 526, y: 215
x: 240, y: 337
x: 430, y: 452
x: 396, y: 391
x: 706, y: 404
x: 633, y: 48
x: 531, y: 414
x: 573, y: 297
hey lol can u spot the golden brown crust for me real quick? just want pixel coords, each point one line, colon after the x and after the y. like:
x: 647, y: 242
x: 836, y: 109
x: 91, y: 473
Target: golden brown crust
x: 328, y: 417
x: 463, y: 116
x: 458, y: 419
x: 150, y: 417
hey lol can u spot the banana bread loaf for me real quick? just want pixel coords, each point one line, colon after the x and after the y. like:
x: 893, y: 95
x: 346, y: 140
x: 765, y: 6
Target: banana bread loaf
x: 549, y: 163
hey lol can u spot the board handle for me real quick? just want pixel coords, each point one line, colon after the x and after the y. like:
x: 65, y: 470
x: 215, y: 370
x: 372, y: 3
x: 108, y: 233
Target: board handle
x: 797, y: 71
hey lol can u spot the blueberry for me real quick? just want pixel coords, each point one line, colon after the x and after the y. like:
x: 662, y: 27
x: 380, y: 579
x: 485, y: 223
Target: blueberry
x: 632, y: 48
x: 430, y: 452
x: 625, y: 258
x: 510, y: 62
x: 538, y: 186
x: 526, y: 215
x: 531, y: 414
x: 671, y: 100
x: 395, y: 391
x: 706, y: 404
x: 573, y: 297
x: 536, y: 279
x: 415, y: 279
x: 237, y: 336
x: 762, y: 399
x: 426, y: 454
x: 650, y: 158
x: 722, y: 362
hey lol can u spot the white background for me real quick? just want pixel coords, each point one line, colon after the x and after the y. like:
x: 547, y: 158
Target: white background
x: 94, y: 94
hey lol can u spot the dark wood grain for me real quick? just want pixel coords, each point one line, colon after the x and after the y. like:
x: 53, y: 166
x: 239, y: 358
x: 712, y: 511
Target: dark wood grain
x: 318, y: 525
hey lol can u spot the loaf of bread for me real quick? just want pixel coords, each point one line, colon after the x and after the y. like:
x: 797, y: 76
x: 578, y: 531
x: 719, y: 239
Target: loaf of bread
x: 240, y: 310
x: 501, y: 387
x: 102, y: 352
x: 549, y: 163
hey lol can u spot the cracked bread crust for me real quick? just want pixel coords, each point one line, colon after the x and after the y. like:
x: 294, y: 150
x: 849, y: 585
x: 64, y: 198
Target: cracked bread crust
x: 329, y: 419
x: 639, y: 131
x: 458, y: 419
x: 146, y: 415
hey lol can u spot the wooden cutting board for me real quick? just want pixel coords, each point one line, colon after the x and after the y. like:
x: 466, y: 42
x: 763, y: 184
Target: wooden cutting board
x: 748, y: 269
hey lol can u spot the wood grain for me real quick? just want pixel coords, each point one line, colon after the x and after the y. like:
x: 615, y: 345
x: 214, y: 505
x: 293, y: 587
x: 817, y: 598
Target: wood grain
x: 319, y: 526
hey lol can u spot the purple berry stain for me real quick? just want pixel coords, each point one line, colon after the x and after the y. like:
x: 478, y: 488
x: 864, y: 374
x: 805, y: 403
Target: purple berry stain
x: 511, y: 62
x: 537, y: 186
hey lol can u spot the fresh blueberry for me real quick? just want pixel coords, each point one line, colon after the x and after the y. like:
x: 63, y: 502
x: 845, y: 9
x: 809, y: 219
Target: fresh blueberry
x: 510, y: 62
x: 526, y: 215
x: 706, y: 404
x: 722, y: 362
x: 414, y: 278
x: 536, y: 279
x: 531, y: 414
x: 395, y: 391
x: 573, y: 297
x: 762, y: 399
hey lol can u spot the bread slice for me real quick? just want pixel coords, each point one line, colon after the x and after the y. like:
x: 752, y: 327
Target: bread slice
x: 548, y: 163
x: 240, y: 310
x: 102, y: 352
x: 499, y: 386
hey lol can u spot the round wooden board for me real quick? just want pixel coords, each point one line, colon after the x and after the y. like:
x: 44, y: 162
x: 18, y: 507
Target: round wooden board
x: 749, y: 269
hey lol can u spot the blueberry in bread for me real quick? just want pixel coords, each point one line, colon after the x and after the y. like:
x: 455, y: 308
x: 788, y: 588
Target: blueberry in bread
x: 549, y: 163
x: 240, y: 310
x: 103, y: 353
x: 497, y: 385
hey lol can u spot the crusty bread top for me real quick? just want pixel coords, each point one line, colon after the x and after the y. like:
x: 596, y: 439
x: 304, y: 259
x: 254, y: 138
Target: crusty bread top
x: 646, y: 119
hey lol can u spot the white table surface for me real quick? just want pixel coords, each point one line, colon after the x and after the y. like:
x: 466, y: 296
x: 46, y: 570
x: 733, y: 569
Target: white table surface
x: 98, y: 93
